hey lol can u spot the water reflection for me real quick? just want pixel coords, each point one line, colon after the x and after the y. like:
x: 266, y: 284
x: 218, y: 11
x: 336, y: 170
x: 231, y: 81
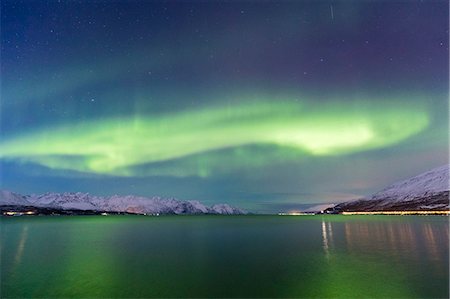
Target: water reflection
x: 327, y: 237
x: 205, y: 257
x: 408, y: 250
x: 405, y: 239
x: 21, y: 245
x: 431, y: 240
x: 436, y: 243
x: 19, y: 252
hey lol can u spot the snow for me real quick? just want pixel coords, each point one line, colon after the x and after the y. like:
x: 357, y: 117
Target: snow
x: 9, y: 198
x: 426, y: 191
x: 115, y: 203
x: 426, y: 184
x: 319, y: 208
x: 225, y: 209
x: 437, y: 206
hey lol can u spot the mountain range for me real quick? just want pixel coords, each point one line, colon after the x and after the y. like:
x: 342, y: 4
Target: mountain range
x: 426, y: 191
x: 74, y: 202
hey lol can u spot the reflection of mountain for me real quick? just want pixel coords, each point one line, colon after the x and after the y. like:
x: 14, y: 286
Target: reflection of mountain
x: 402, y: 238
x: 427, y: 191
x: 383, y: 257
x: 49, y: 202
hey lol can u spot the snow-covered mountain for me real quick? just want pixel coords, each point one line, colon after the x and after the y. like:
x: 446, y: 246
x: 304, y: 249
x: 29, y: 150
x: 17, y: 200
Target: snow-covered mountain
x: 426, y: 191
x: 115, y: 203
x: 225, y: 209
x: 431, y: 182
x: 11, y: 198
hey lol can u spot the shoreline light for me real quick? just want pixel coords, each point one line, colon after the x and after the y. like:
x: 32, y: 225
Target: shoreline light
x: 441, y: 212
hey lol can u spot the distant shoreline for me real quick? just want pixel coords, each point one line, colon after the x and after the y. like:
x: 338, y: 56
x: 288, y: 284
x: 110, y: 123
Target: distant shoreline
x: 14, y: 211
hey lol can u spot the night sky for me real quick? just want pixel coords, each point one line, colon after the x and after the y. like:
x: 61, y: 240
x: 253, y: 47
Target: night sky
x: 269, y: 106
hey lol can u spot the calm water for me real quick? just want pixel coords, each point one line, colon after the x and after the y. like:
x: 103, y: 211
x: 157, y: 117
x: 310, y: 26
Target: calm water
x: 234, y: 256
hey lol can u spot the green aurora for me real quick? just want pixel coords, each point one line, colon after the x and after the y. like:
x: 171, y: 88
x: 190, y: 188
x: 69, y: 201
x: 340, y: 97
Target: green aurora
x: 115, y: 146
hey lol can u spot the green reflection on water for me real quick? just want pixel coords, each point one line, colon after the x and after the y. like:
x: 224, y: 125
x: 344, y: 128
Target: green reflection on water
x: 207, y: 256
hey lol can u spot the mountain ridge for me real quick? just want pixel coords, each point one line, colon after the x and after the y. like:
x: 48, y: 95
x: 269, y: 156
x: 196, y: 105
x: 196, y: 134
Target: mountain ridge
x: 425, y: 191
x: 78, y: 201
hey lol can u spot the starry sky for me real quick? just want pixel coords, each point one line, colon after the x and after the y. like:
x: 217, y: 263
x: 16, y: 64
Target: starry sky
x: 269, y: 106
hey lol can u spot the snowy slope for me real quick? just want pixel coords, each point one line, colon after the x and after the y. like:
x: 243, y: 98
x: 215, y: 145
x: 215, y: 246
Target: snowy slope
x: 115, y: 203
x: 9, y: 198
x: 431, y: 182
x: 225, y: 209
x: 426, y: 191
x: 66, y: 201
x: 318, y: 208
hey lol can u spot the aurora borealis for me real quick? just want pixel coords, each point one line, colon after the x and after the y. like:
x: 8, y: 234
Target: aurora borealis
x: 268, y: 106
